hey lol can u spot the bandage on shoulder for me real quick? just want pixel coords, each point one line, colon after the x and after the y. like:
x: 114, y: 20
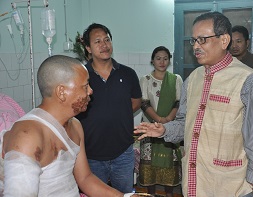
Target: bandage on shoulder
x: 21, y: 175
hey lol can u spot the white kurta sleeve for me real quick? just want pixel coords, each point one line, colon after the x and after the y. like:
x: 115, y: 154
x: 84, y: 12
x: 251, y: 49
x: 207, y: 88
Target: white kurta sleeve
x: 179, y: 83
x: 144, y: 87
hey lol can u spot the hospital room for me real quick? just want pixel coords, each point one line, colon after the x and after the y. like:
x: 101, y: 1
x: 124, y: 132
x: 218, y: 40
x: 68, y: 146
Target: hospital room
x: 139, y: 36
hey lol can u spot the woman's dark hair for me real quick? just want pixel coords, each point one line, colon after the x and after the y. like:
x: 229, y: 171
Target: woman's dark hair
x: 160, y: 48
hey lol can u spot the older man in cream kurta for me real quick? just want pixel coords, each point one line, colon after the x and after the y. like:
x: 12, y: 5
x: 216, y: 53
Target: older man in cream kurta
x: 218, y: 159
x: 210, y: 120
x: 215, y: 163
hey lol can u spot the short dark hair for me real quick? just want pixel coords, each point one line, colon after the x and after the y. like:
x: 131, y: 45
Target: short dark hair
x: 86, y: 33
x: 55, y: 70
x: 241, y: 29
x: 160, y: 48
x: 221, y: 24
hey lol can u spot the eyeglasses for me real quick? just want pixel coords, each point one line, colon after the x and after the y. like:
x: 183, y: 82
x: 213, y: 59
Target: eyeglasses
x: 201, y: 40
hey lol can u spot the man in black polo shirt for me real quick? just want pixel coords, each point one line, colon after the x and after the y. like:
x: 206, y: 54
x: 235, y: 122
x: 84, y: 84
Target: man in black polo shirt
x: 108, y: 123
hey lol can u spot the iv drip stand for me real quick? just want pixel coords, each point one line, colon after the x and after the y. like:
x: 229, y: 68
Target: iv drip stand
x: 31, y: 52
x: 31, y: 49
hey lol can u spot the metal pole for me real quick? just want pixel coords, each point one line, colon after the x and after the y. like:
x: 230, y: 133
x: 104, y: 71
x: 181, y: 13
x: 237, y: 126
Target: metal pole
x: 65, y: 18
x: 31, y: 53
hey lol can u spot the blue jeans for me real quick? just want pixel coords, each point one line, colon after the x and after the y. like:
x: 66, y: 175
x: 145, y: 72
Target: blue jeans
x: 118, y: 171
x: 249, y: 195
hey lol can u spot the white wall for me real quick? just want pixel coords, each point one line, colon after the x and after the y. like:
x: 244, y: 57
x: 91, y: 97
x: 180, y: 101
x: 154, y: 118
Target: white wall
x: 137, y: 26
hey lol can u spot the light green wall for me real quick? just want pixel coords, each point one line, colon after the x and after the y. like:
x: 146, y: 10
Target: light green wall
x: 74, y: 18
x: 137, y: 25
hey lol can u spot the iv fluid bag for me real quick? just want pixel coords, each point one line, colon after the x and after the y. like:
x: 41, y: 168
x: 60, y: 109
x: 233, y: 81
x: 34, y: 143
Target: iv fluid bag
x: 18, y: 18
x: 48, y: 22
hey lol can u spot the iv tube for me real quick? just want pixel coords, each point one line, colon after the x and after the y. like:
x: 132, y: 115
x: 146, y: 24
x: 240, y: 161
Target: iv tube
x: 48, y: 26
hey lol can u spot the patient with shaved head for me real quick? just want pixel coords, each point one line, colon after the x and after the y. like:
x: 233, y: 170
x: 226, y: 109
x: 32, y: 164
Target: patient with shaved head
x: 44, y: 152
